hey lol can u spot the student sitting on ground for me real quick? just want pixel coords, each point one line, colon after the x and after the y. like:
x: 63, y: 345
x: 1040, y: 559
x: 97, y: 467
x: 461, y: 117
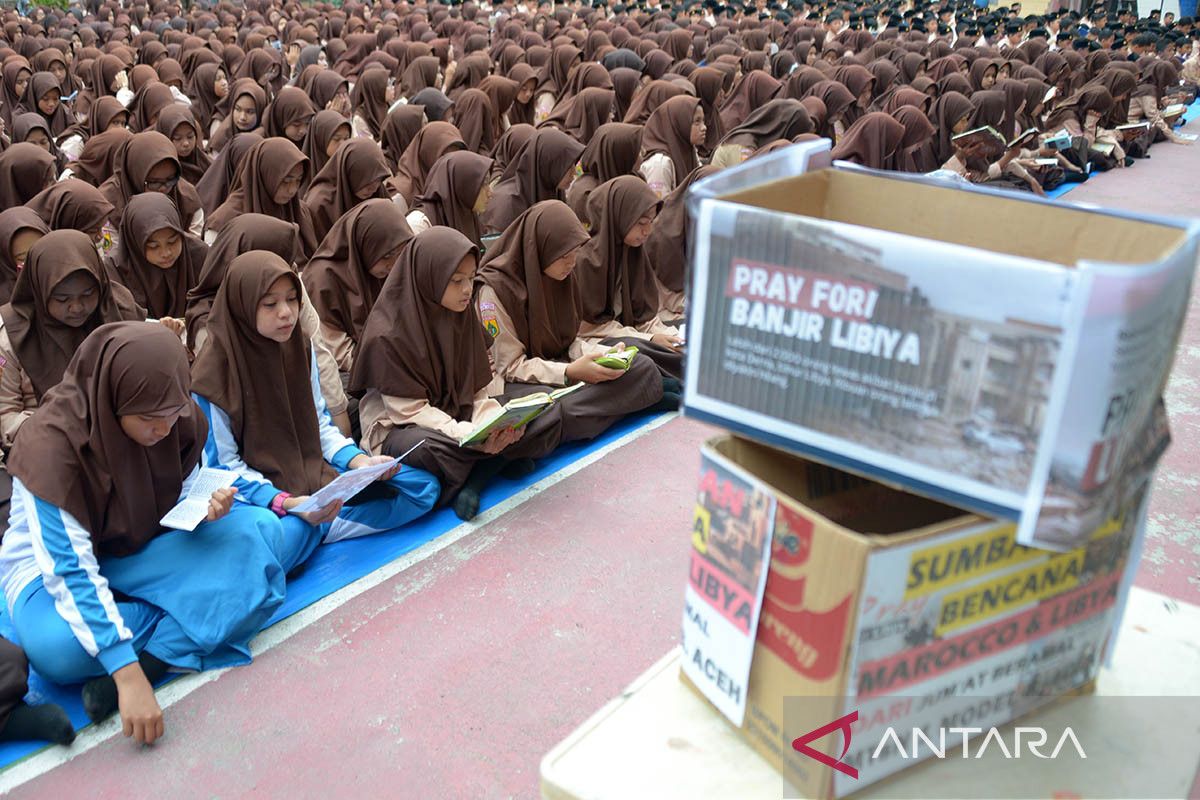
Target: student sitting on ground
x: 424, y: 372
x: 256, y: 382
x: 111, y: 450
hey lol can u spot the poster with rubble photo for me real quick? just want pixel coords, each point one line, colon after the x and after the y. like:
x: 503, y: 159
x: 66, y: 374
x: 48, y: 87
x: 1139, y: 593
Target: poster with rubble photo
x: 930, y: 364
x: 972, y: 629
x: 1116, y: 427
x: 732, y: 528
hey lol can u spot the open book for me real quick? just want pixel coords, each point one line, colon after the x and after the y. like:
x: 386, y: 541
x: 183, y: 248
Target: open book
x: 1060, y: 140
x: 1024, y: 138
x: 618, y: 359
x: 516, y: 413
x: 1172, y: 113
x: 991, y: 142
x: 191, y: 510
x: 1104, y: 148
x: 1132, y: 131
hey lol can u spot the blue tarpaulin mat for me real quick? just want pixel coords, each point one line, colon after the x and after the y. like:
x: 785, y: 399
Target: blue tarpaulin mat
x: 337, y: 565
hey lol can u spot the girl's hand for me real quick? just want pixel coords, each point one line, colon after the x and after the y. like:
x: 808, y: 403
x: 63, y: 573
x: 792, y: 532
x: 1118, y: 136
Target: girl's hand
x: 175, y: 326
x: 141, y: 716
x: 501, y: 439
x: 587, y: 370
x: 672, y: 343
x: 320, y: 516
x: 360, y: 461
x: 220, y: 503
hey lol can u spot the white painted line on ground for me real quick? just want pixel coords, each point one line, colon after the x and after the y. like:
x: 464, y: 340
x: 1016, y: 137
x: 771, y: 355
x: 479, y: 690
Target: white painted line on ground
x: 94, y: 735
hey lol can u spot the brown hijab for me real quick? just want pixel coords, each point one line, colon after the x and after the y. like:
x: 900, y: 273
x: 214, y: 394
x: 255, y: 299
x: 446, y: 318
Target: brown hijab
x: 265, y: 387
x: 245, y: 233
x: 533, y: 177
x: 338, y: 277
x: 669, y: 131
x: 475, y: 120
x: 244, y: 87
x: 399, y: 129
x: 12, y: 222
x: 750, y: 92
x: 25, y: 170
x: 667, y: 246
x: 783, y: 118
x: 162, y: 291
x: 72, y: 205
x: 368, y: 98
x: 41, y: 84
x: 650, y: 98
x: 73, y: 452
x: 356, y: 165
x: 609, y: 273
x: 195, y: 165
x: 290, y: 106
x: 140, y: 154
x: 583, y: 113
x: 414, y: 347
x: 451, y: 189
x: 612, y: 152
x: 431, y: 143
x: 872, y: 141
x: 214, y: 187
x: 42, y: 344
x: 263, y: 170
x: 544, y: 312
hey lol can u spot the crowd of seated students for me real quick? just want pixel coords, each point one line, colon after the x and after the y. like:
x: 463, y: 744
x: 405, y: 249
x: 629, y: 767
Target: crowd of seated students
x: 291, y: 240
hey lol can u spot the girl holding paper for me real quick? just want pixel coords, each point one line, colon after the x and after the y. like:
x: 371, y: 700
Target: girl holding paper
x: 255, y: 358
x: 423, y: 366
x: 111, y: 450
x: 525, y: 293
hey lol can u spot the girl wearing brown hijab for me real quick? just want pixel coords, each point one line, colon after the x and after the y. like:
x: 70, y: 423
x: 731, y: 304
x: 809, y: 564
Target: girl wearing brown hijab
x: 399, y: 129
x: 147, y: 104
x: 782, y: 118
x: 618, y: 297
x: 112, y: 450
x: 911, y: 154
x: 369, y: 101
x: 456, y: 193
x: 25, y: 170
x: 526, y: 78
x: 837, y: 100
x: 612, y: 152
x: 16, y: 74
x: 750, y: 92
x: 666, y: 248
x: 553, y: 80
x: 156, y: 260
x: 347, y: 272
x: 424, y: 370
x: 209, y: 86
x: 73, y: 205
x: 710, y: 84
x: 871, y: 142
x: 325, y: 135
x: 61, y: 296
x: 431, y: 143
x: 148, y: 163
x: 357, y: 172
x: 653, y: 95
x: 582, y: 114
x: 33, y: 129
x: 218, y: 179
x: 542, y: 171
x: 669, y: 143
x: 289, y: 115
x: 20, y: 229
x: 269, y: 183
x: 246, y: 106
x: 508, y: 148
x: 178, y: 125
x: 256, y: 359
x: 44, y: 97
x: 107, y: 113
x: 259, y: 232
x: 476, y: 120
x: 526, y: 297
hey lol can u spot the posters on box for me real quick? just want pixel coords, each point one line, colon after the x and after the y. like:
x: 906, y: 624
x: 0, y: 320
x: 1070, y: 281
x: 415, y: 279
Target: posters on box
x: 731, y: 544
x: 973, y: 629
x: 945, y: 368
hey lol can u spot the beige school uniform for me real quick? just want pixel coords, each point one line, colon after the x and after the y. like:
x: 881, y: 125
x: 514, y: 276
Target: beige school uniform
x: 380, y: 414
x: 18, y: 401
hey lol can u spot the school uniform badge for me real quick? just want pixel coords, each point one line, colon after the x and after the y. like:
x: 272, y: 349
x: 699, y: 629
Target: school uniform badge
x: 488, y: 312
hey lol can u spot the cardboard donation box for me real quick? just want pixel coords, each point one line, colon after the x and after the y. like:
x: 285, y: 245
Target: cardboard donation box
x: 999, y: 353
x: 909, y: 612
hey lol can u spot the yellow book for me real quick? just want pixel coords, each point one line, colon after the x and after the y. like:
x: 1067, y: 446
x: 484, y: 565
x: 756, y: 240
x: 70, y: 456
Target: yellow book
x: 618, y: 359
